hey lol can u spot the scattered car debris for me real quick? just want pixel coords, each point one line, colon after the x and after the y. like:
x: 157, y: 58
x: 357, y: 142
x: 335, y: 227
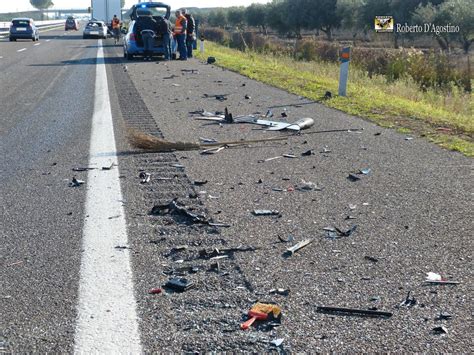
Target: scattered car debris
x: 333, y: 233
x: 144, y: 177
x: 179, y: 284
x: 289, y: 239
x: 200, y: 183
x: 262, y: 312
x: 408, y: 302
x: 365, y: 171
x: 444, y: 316
x: 440, y: 330
x: 82, y: 169
x: 353, y: 311
x: 220, y: 97
x: 174, y: 208
x: 307, y: 153
x: 290, y: 251
x: 75, y: 182
x: 247, y: 97
x: 308, y: 186
x: 327, y: 95
x: 179, y: 166
x: 212, y: 150
x: 284, y: 114
x: 434, y: 278
x: 270, y: 159
x: 108, y: 167
x: 155, y: 291
x: 353, y: 177
x: 291, y: 156
x: 279, y: 291
x: 277, y: 342
x: 207, y: 140
x: 408, y: 138
x: 266, y: 213
x: 191, y: 71
x: 211, y: 60
x: 371, y: 258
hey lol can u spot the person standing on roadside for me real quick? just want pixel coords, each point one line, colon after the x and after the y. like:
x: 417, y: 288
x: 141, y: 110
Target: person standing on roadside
x: 167, y: 32
x: 180, y: 34
x: 190, y: 32
x: 116, y: 28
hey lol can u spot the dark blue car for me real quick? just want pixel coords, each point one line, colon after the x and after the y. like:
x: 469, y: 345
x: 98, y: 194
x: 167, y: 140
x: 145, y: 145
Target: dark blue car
x: 23, y: 28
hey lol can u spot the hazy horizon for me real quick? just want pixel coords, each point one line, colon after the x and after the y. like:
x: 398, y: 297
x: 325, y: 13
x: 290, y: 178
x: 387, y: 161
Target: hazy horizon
x: 24, y: 5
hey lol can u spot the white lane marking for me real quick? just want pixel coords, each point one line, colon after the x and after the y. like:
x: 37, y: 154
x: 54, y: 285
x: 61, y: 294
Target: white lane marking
x: 1, y: 57
x: 107, y: 319
x: 21, y: 50
x: 48, y: 40
x: 37, y: 44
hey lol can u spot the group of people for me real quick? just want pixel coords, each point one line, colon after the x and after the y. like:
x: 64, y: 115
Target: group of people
x: 183, y: 32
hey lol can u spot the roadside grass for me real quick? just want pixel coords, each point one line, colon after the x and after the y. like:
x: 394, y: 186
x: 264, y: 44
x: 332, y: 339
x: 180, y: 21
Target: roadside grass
x: 446, y: 119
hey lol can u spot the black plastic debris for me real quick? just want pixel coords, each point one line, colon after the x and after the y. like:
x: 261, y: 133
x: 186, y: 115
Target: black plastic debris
x: 334, y: 233
x: 211, y: 60
x: 82, y: 169
x: 266, y: 213
x: 307, y: 153
x: 408, y: 302
x: 228, y: 116
x: 440, y: 330
x: 371, y: 258
x: 353, y: 311
x: 174, y: 208
x: 179, y: 284
x: 279, y: 291
x: 269, y: 114
x: 144, y: 177
x: 247, y: 97
x: 200, y: 183
x: 327, y: 95
x: 284, y: 114
x: 353, y: 177
x: 444, y: 316
x: 75, y: 182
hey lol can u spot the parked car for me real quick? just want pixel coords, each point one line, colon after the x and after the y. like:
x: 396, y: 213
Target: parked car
x: 71, y: 24
x: 23, y: 28
x: 95, y: 29
x: 133, y: 42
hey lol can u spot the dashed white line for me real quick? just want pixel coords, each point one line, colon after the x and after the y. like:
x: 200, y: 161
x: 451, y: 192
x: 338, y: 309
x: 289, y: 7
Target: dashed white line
x: 48, y: 40
x: 21, y: 50
x: 37, y: 44
x: 107, y: 319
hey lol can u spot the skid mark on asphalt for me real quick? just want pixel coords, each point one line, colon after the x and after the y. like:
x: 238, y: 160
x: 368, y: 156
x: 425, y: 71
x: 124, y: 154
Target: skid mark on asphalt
x: 107, y: 319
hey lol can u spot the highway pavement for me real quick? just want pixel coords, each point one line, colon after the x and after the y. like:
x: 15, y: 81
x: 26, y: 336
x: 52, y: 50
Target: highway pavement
x: 77, y: 262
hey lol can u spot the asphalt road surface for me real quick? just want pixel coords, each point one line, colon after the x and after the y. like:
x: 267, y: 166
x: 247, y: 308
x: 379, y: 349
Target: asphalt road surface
x: 77, y: 263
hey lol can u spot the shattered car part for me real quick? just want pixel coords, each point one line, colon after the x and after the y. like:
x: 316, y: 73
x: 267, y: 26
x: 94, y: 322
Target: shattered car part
x: 290, y: 251
x: 179, y: 284
x: 266, y: 213
x: 174, y: 208
x: 212, y: 150
x: 144, y: 177
x: 353, y: 311
x: 408, y: 302
x: 75, y: 182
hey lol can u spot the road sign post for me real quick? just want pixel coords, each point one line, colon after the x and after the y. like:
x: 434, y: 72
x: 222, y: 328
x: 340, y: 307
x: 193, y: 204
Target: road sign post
x: 345, y: 58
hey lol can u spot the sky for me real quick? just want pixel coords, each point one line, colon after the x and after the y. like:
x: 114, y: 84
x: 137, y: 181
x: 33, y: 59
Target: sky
x: 22, y: 5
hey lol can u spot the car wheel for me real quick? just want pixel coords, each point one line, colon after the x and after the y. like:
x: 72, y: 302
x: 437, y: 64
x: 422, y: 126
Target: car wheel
x: 11, y: 39
x: 129, y: 56
x: 34, y: 39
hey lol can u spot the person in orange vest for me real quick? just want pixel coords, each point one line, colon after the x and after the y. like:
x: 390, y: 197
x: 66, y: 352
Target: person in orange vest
x: 116, y: 28
x: 180, y: 34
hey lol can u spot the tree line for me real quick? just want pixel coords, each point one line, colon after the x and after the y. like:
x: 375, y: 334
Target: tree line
x: 293, y: 17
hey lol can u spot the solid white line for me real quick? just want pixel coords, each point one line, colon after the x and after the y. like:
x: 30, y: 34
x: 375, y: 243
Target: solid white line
x: 21, y: 50
x: 107, y: 319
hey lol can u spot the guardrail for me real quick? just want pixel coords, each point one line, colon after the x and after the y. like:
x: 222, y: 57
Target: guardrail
x: 5, y: 26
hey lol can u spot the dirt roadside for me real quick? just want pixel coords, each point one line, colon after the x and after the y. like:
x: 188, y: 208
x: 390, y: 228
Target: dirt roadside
x: 411, y: 210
